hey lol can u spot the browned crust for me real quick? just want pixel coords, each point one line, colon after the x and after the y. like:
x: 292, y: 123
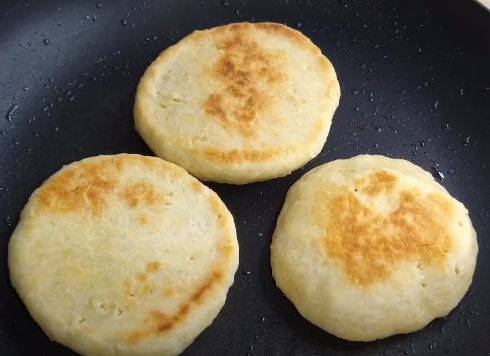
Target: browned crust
x: 377, y: 183
x: 239, y: 156
x: 157, y: 323
x: 214, y: 104
x: 141, y: 193
x: 247, y: 72
x: 368, y: 246
x: 78, y: 189
x: 89, y: 186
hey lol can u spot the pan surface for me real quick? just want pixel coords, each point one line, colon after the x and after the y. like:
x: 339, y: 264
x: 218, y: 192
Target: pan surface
x: 415, y: 85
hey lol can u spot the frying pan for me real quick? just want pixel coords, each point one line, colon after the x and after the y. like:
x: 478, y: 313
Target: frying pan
x: 415, y: 85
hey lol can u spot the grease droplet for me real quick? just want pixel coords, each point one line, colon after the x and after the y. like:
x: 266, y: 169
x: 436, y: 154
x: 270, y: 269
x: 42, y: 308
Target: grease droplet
x: 11, y: 112
x: 437, y: 174
x: 9, y: 220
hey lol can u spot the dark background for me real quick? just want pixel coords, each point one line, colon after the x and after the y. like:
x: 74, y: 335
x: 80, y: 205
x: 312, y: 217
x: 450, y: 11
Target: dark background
x: 415, y: 85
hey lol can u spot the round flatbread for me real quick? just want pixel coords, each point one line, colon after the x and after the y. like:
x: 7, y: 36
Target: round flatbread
x: 370, y: 247
x: 123, y: 255
x: 238, y: 103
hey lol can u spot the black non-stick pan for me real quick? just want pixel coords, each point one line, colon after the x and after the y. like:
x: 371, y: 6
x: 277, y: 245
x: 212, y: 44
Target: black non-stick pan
x: 415, y: 83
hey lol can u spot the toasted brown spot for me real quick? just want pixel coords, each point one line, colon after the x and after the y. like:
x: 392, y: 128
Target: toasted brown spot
x: 214, y: 108
x: 143, y: 219
x: 369, y: 245
x: 142, y: 277
x: 197, y: 187
x: 236, y: 156
x: 135, y: 337
x: 148, y: 288
x: 154, y: 320
x: 157, y: 318
x: 217, y: 207
x: 248, y: 73
x: 226, y: 248
x: 158, y: 323
x: 206, y: 286
x: 142, y: 284
x: 153, y: 267
x: 141, y: 193
x: 169, y: 292
x: 380, y: 181
x: 81, y: 188
x: 88, y: 187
